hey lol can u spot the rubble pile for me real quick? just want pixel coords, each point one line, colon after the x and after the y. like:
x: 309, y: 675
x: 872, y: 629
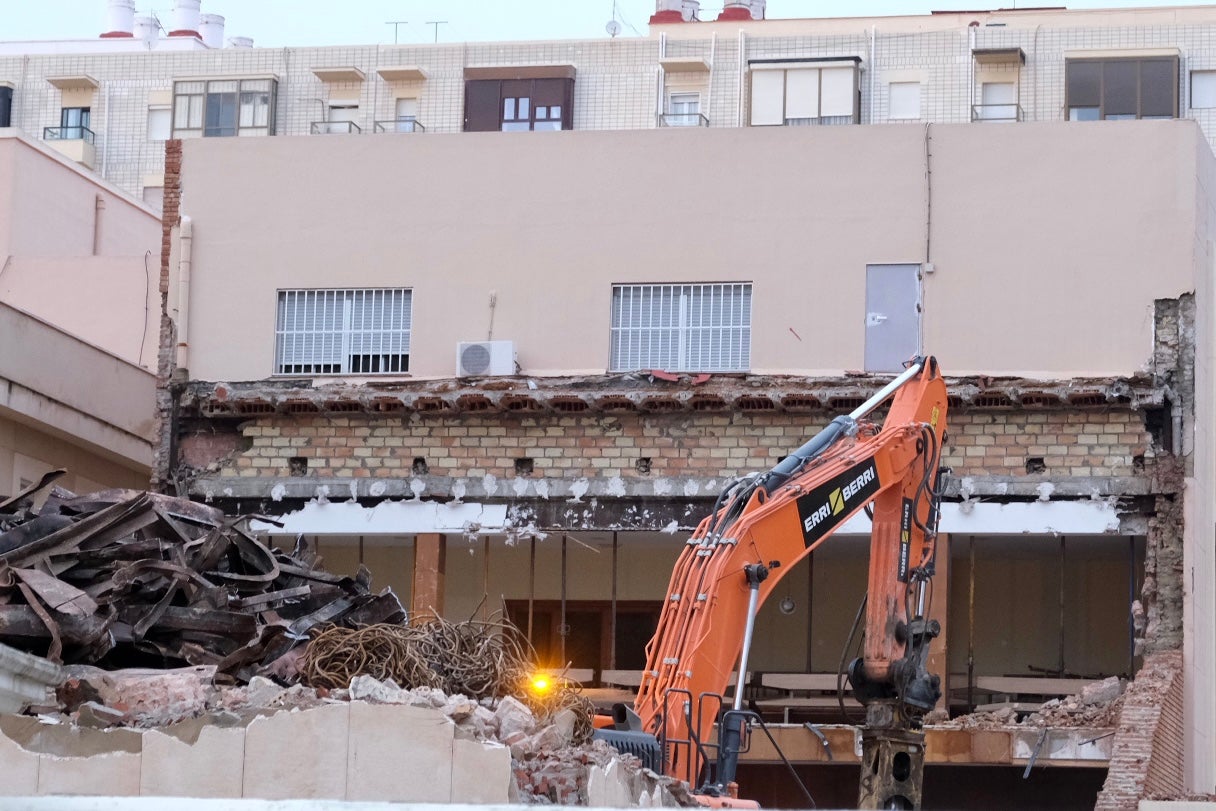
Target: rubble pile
x: 123, y: 578
x: 1098, y: 705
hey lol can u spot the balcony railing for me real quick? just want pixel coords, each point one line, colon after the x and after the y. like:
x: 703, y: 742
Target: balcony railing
x: 400, y: 125
x: 683, y: 120
x: 67, y: 134
x: 997, y: 112
x: 335, y: 128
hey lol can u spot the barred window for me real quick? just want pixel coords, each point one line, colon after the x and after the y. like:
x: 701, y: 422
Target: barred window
x: 682, y: 327
x: 334, y: 332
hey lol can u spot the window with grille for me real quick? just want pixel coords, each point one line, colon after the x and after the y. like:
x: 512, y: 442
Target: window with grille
x: 334, y: 332
x: 682, y: 327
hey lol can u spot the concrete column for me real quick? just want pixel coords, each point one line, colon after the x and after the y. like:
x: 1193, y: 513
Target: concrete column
x: 430, y: 564
x: 939, y: 661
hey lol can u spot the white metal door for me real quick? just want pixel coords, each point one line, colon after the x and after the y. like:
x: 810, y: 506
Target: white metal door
x: 892, y: 316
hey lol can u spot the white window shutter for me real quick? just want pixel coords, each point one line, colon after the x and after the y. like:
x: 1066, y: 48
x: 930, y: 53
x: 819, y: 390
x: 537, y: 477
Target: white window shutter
x: 802, y: 93
x: 837, y: 95
x: 1203, y: 89
x: 904, y: 100
x: 768, y: 97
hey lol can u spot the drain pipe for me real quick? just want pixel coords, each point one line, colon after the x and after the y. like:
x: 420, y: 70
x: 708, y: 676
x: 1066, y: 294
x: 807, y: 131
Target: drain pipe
x: 185, y: 242
x: 873, y: 69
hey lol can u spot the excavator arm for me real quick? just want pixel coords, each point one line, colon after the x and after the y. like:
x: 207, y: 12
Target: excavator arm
x: 766, y: 523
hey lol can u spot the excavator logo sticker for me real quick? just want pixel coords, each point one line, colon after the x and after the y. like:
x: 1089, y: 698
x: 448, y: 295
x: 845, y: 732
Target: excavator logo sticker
x: 822, y: 509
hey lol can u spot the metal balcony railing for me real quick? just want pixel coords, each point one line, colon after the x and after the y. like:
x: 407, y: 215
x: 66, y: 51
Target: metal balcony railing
x: 683, y: 120
x: 400, y: 125
x: 67, y: 134
x: 335, y: 128
x: 997, y: 112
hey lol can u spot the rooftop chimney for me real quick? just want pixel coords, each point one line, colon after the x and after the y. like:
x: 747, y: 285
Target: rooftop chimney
x: 120, y: 19
x: 211, y: 28
x: 668, y: 11
x: 736, y: 10
x: 185, y: 18
x: 758, y: 7
x: 147, y: 29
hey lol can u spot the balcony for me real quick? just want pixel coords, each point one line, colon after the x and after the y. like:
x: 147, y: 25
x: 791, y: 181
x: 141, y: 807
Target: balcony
x: 74, y: 143
x: 400, y: 125
x: 987, y: 113
x: 683, y: 120
x: 335, y: 128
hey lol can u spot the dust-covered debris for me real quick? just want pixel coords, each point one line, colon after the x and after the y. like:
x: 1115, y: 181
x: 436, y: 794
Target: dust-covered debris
x: 1097, y: 705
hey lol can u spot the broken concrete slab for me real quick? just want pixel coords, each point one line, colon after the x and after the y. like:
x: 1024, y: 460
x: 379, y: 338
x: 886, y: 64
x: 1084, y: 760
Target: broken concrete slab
x: 18, y: 769
x: 481, y: 773
x: 608, y: 787
x: 297, y: 754
x: 194, y: 759
x: 399, y: 753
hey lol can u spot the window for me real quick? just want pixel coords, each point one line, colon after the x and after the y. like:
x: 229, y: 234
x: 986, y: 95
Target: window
x: 1122, y: 88
x: 154, y: 196
x: 331, y: 332
x: 520, y: 115
x: 73, y: 122
x: 904, y: 101
x: 406, y: 111
x: 683, y: 110
x: 682, y: 327
x: 1203, y: 89
x: 518, y: 105
x: 341, y: 117
x: 222, y: 108
x: 998, y: 102
x: 160, y: 122
x: 801, y: 95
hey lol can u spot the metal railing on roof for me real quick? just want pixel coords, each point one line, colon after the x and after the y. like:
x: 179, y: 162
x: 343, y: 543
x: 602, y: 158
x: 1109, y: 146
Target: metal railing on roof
x: 997, y: 112
x: 408, y: 124
x: 335, y: 128
x: 67, y: 134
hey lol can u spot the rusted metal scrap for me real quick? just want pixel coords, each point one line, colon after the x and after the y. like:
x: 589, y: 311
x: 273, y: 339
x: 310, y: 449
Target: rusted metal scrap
x: 125, y: 578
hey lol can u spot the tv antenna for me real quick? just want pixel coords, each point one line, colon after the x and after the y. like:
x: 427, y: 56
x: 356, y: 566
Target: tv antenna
x: 436, y: 23
x: 396, y: 24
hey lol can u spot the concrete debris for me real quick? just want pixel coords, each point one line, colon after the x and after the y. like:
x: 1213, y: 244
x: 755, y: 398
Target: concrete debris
x: 1098, y: 705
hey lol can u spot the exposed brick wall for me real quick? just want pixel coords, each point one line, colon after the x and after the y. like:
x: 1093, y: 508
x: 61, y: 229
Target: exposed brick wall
x: 1076, y: 443
x: 1147, y: 756
x: 170, y: 219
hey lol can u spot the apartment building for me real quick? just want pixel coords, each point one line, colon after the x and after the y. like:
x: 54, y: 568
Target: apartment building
x: 78, y: 323
x: 111, y: 103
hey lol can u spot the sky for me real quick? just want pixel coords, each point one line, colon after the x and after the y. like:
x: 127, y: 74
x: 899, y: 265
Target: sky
x: 274, y: 23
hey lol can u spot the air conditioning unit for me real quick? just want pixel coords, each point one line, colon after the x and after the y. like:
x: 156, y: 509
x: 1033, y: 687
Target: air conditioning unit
x: 477, y: 358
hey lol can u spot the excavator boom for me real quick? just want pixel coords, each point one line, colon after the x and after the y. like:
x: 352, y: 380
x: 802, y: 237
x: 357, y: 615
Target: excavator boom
x: 764, y: 524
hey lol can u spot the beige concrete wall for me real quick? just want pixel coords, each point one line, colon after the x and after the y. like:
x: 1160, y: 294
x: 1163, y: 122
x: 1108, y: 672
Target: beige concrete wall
x: 1199, y: 557
x: 53, y: 208
x: 27, y: 453
x: 111, y: 302
x: 356, y: 752
x: 550, y: 221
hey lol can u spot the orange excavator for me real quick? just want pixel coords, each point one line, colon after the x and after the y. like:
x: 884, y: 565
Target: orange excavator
x: 760, y: 527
